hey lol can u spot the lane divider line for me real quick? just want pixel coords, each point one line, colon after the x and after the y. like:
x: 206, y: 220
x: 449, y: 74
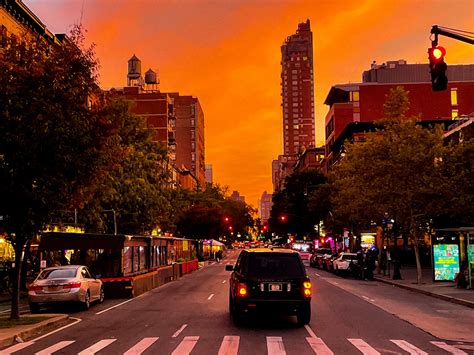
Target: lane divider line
x: 117, y: 305
x: 178, y: 332
x: 212, y: 295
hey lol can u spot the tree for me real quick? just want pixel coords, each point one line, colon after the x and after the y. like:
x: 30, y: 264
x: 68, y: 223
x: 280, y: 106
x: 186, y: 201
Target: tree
x: 395, y: 171
x: 138, y: 188
x: 292, y: 203
x: 55, y: 147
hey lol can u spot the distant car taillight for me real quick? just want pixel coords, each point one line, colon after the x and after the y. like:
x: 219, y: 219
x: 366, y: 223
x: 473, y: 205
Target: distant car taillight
x: 307, y: 289
x: 242, y: 290
x: 72, y: 285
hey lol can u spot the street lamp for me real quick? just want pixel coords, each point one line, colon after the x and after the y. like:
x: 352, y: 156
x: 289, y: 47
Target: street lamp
x: 387, y: 226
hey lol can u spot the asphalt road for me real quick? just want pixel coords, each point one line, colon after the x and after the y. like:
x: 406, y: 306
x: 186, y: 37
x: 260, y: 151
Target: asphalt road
x: 191, y: 315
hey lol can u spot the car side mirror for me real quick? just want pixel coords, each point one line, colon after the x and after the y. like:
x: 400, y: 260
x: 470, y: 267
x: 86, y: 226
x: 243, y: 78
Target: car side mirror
x: 229, y: 268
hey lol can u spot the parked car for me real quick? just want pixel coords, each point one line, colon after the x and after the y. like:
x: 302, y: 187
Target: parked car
x: 65, y: 284
x: 342, y: 264
x: 327, y: 260
x: 275, y: 280
x: 318, y: 253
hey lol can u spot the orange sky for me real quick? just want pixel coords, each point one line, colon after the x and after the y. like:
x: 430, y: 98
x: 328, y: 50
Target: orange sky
x: 227, y: 53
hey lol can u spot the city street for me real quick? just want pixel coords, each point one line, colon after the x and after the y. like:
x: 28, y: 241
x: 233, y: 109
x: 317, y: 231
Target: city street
x: 191, y: 315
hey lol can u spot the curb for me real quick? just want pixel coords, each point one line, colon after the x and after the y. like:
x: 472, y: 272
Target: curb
x: 428, y: 293
x: 29, y: 331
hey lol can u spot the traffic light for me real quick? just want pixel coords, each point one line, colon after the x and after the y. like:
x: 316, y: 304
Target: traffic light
x: 439, y: 80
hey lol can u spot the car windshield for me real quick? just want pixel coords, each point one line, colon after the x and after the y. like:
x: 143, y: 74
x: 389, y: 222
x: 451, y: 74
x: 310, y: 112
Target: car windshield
x: 349, y: 257
x: 274, y: 265
x: 57, y: 274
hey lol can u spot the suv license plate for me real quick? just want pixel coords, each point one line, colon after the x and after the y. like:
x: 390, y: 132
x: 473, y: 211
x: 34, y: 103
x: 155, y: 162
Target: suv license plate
x: 274, y: 287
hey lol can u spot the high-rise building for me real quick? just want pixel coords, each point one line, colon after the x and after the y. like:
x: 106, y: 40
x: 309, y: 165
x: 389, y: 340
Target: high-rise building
x: 297, y: 90
x: 209, y: 173
x: 236, y: 196
x: 264, y: 207
x: 189, y: 135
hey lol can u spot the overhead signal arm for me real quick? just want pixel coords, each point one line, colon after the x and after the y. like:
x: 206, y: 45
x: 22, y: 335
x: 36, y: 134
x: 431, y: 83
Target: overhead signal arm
x: 459, y: 35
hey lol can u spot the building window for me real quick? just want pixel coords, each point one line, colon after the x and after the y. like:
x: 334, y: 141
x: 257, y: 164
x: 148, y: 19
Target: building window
x: 354, y: 96
x: 192, y: 122
x: 454, y: 96
x: 454, y: 114
x: 193, y: 146
x: 193, y: 156
x: 192, y: 134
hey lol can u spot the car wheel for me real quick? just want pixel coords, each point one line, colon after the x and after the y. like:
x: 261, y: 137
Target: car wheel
x: 102, y: 295
x: 34, y: 308
x: 304, y: 316
x: 87, y: 301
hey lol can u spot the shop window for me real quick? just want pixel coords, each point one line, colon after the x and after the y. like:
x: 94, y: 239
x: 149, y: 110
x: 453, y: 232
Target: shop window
x: 454, y: 97
x: 454, y: 114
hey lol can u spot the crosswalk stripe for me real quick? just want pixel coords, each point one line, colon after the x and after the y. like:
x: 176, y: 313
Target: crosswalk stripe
x: 141, y: 346
x: 55, y: 347
x: 363, y: 347
x: 97, y: 347
x: 186, y: 345
x: 412, y: 349
x: 318, y: 346
x: 448, y: 348
x: 275, y: 346
x: 16, y: 347
x: 230, y: 345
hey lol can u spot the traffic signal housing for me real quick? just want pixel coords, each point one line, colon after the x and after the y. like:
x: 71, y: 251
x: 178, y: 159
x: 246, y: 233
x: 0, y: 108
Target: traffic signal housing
x: 439, y: 80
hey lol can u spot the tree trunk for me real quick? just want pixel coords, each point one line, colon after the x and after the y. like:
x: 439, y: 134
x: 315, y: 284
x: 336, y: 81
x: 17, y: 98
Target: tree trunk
x: 417, y: 257
x: 15, y: 311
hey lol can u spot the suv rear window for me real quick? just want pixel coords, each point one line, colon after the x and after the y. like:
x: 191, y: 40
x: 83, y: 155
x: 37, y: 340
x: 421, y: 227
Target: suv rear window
x: 273, y: 265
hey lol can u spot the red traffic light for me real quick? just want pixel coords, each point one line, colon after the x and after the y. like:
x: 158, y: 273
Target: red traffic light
x: 226, y: 219
x: 283, y: 218
x: 439, y: 52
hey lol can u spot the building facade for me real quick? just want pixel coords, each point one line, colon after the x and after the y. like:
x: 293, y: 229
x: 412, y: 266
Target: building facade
x: 281, y: 168
x: 353, y: 108
x: 189, y: 135
x: 236, y: 196
x: 209, y: 173
x: 264, y: 207
x: 297, y: 90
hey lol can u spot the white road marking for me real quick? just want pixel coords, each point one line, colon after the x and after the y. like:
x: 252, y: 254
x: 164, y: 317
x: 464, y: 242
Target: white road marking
x: 20, y: 307
x: 141, y: 346
x: 55, y: 347
x: 77, y: 320
x: 317, y: 274
x: 363, y: 347
x: 275, y: 346
x: 223, y: 282
x: 178, y: 332
x: 97, y: 347
x: 368, y: 299
x: 318, y: 346
x: 16, y: 347
x: 448, y: 348
x: 186, y: 346
x: 412, y: 349
x: 310, y: 331
x: 212, y: 295
x: 230, y: 345
x: 117, y: 305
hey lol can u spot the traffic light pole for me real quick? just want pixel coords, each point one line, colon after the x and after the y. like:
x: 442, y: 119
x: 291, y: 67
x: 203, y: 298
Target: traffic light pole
x: 437, y: 31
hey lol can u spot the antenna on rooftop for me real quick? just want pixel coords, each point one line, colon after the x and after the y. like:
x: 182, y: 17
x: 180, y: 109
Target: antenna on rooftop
x: 82, y: 13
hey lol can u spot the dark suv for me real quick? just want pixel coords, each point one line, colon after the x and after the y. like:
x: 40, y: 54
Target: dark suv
x: 264, y: 279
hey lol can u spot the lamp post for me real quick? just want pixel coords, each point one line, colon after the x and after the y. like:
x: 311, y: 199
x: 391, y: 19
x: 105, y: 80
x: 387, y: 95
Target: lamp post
x: 387, y: 226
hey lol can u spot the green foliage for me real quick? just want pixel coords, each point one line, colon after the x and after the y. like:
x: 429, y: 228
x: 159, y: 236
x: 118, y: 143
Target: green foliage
x: 138, y: 188
x: 55, y: 147
x: 294, y: 202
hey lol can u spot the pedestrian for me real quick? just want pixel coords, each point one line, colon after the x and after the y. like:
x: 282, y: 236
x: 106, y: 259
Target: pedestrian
x: 219, y: 256
x: 383, y: 260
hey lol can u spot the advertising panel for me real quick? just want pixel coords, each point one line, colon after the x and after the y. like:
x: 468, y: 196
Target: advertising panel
x: 446, y: 261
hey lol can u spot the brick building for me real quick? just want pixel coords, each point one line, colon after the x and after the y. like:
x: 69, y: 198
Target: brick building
x: 189, y: 135
x: 354, y: 107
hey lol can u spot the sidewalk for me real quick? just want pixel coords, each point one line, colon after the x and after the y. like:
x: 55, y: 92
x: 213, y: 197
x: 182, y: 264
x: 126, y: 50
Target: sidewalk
x: 443, y: 290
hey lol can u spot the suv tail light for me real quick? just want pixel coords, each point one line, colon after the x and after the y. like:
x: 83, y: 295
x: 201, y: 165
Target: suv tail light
x: 307, y: 289
x: 242, y: 290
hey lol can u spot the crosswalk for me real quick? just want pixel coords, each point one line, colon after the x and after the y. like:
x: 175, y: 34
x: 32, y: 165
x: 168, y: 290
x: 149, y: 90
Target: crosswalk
x: 275, y: 345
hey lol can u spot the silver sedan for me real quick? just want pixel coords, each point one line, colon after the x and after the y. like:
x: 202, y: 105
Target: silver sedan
x: 60, y: 284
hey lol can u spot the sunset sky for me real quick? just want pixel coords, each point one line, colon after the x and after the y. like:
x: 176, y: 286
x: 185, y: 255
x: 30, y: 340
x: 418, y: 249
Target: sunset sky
x: 227, y: 53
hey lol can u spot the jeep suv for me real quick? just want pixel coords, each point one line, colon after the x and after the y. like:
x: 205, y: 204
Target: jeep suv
x: 264, y: 279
